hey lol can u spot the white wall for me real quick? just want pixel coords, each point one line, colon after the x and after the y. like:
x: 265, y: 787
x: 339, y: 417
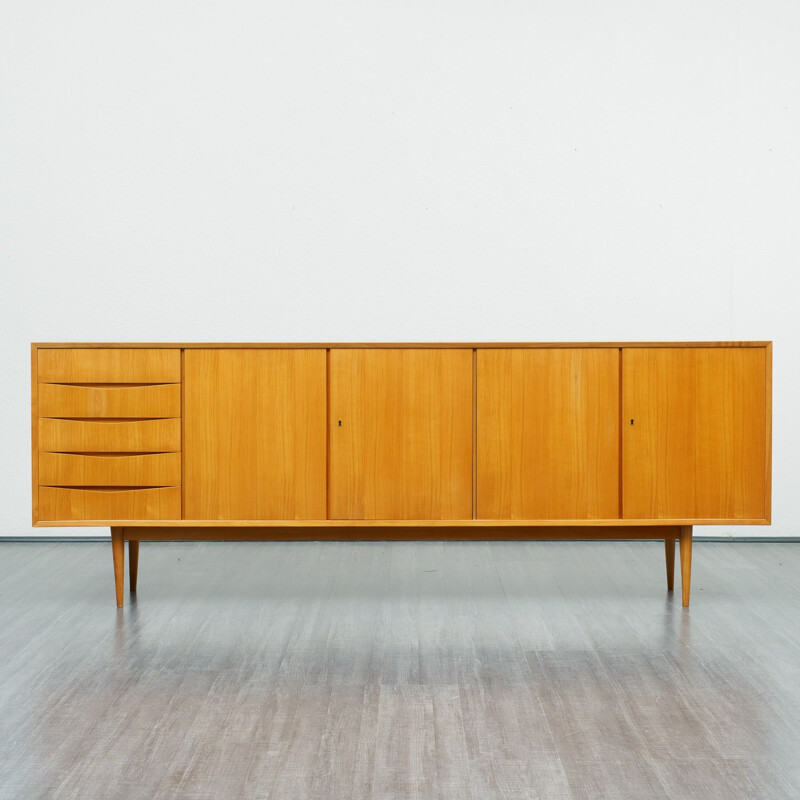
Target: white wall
x: 230, y: 171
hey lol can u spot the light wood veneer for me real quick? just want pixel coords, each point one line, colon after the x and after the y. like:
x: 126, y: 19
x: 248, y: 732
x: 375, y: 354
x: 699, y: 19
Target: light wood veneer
x: 548, y: 434
x: 142, y: 401
x: 420, y: 440
x: 400, y: 428
x: 255, y: 433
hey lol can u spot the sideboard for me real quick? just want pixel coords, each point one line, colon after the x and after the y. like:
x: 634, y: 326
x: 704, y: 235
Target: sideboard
x: 506, y: 440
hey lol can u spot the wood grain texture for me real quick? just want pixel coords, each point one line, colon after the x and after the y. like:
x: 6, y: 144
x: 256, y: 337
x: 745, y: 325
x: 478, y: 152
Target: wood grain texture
x: 153, y: 401
x: 696, y: 447
x: 686, y: 562
x: 404, y: 446
x: 548, y: 434
x: 379, y: 531
x: 58, y: 503
x: 134, y: 436
x: 34, y: 434
x: 444, y: 525
x: 254, y: 434
x: 118, y: 556
x: 768, y: 435
x: 102, y: 428
x: 70, y: 469
x: 109, y: 365
x: 376, y: 345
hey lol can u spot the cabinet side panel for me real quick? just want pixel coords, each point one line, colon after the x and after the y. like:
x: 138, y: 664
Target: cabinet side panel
x: 548, y: 434
x: 768, y: 432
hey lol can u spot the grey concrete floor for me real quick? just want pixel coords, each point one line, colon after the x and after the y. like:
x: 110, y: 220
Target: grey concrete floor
x: 402, y: 670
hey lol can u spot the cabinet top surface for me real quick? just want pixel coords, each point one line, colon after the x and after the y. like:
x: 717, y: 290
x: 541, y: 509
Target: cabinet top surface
x: 326, y: 345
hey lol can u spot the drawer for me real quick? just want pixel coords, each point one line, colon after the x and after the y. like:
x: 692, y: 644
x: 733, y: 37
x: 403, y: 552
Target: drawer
x: 68, y: 469
x: 128, y: 436
x: 62, y: 400
x: 109, y: 365
x: 109, y: 504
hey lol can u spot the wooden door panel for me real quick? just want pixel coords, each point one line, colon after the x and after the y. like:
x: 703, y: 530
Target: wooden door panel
x: 694, y: 433
x: 400, y: 434
x: 548, y: 433
x: 254, y: 434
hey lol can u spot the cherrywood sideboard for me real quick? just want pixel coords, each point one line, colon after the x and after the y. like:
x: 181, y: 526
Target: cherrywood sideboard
x: 402, y: 441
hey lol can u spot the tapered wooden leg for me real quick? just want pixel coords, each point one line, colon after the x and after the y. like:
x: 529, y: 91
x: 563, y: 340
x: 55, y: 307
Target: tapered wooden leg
x: 118, y: 549
x: 669, y: 550
x: 686, y: 562
x: 133, y: 561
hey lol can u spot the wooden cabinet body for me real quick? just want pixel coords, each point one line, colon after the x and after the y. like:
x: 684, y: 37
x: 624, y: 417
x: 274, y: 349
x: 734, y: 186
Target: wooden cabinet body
x: 508, y: 440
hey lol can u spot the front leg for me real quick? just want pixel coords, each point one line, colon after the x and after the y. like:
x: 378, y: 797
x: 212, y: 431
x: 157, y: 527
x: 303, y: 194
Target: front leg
x: 686, y: 562
x: 118, y: 550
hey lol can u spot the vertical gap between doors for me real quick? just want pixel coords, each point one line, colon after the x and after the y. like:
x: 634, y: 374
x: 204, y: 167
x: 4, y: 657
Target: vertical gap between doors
x: 619, y: 457
x: 474, y: 433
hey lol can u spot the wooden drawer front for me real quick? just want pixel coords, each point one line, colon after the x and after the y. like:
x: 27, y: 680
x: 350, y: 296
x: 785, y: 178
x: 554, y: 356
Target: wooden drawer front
x: 135, y: 436
x: 106, y: 365
x: 61, y: 400
x: 109, y: 504
x: 67, y: 469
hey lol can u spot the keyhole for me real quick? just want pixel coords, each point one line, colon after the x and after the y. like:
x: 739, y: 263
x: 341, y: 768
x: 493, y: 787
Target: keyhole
x: 340, y: 423
x: 631, y: 422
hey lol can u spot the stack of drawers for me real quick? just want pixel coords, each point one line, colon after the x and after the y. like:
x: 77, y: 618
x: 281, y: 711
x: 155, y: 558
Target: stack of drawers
x: 109, y: 434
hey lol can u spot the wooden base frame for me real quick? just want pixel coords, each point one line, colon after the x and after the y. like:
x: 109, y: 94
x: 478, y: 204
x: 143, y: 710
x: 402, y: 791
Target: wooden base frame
x: 133, y: 535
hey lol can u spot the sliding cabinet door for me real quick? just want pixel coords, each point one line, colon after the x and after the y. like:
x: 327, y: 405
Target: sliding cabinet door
x: 548, y: 433
x: 254, y: 434
x: 400, y: 434
x: 694, y: 433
